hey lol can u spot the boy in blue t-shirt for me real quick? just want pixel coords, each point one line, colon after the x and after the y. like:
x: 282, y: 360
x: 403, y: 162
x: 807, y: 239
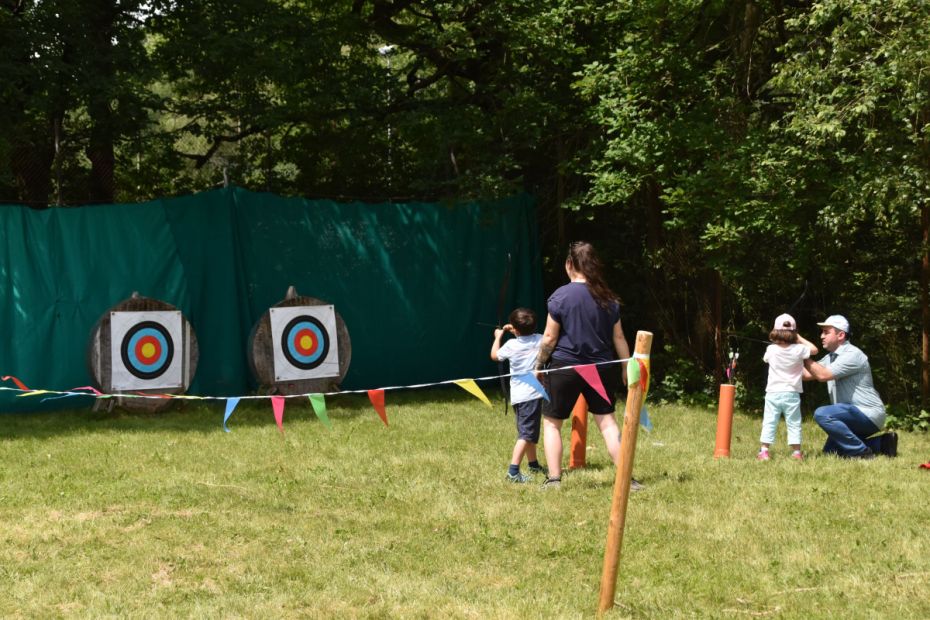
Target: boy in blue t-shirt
x: 527, y: 403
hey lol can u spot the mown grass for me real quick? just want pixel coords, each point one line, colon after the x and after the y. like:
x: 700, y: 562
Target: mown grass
x: 167, y: 516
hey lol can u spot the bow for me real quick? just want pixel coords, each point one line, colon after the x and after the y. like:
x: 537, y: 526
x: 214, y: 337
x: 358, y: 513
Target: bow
x: 501, y: 298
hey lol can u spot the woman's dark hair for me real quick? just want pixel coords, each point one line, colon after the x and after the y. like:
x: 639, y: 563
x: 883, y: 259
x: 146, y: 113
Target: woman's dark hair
x: 584, y: 260
x: 783, y: 336
x: 523, y: 321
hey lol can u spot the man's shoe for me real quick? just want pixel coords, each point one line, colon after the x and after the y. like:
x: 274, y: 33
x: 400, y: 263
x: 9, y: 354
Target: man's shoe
x: 518, y: 478
x: 889, y: 444
x: 636, y: 485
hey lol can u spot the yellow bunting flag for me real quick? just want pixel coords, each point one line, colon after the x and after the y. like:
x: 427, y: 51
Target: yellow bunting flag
x: 35, y: 393
x: 472, y: 388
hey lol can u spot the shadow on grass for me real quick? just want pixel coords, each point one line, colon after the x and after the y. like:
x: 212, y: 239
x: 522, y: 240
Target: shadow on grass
x: 207, y: 416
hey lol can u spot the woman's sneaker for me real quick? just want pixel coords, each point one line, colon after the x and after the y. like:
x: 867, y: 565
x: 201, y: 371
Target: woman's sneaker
x: 797, y: 455
x: 763, y: 455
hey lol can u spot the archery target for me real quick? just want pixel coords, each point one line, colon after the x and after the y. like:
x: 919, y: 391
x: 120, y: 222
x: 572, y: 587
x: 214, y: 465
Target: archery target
x: 145, y: 350
x: 304, y: 340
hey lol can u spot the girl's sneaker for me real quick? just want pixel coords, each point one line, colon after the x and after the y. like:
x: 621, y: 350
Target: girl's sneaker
x: 797, y: 455
x: 763, y: 455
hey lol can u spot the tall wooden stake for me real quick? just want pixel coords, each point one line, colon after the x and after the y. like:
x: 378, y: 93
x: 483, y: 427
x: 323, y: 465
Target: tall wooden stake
x: 634, y: 403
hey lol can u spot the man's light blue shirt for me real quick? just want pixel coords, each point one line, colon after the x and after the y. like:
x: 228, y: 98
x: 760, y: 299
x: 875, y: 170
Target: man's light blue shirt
x: 852, y: 382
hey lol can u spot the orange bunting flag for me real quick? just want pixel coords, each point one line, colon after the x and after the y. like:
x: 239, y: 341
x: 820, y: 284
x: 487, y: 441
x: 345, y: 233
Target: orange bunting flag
x: 277, y: 403
x: 589, y: 373
x: 18, y: 383
x: 472, y: 388
x: 377, y: 400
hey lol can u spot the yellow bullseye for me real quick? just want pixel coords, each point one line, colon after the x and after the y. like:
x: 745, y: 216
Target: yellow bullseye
x: 148, y: 350
x: 306, y: 342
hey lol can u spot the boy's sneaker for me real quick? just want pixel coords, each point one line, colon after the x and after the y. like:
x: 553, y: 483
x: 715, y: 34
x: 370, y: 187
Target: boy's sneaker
x: 889, y: 444
x: 518, y: 478
x: 763, y: 455
x: 797, y: 455
x: 552, y: 483
x: 540, y: 471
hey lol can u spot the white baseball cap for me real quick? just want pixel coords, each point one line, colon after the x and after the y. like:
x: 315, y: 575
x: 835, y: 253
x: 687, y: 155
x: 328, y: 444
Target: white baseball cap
x: 837, y: 321
x: 785, y: 321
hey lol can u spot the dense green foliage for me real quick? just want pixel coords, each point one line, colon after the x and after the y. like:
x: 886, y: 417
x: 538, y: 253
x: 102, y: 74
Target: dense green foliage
x: 732, y: 160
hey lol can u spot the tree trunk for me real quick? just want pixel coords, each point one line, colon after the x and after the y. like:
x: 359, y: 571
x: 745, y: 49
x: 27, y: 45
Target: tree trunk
x: 925, y: 306
x: 100, y: 150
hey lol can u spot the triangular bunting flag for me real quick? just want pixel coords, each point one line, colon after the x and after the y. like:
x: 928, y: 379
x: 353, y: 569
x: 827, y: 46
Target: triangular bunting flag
x: 644, y: 420
x: 632, y: 373
x: 230, y: 407
x: 472, y: 388
x: 277, y: 404
x: 377, y: 400
x: 319, y: 408
x: 34, y: 393
x: 588, y: 372
x: 18, y: 383
x: 531, y: 380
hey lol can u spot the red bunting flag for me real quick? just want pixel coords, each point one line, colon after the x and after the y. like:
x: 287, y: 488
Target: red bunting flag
x: 277, y: 403
x: 589, y: 373
x: 18, y: 383
x: 377, y: 400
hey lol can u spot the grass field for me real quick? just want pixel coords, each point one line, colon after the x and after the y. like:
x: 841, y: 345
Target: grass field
x: 168, y: 516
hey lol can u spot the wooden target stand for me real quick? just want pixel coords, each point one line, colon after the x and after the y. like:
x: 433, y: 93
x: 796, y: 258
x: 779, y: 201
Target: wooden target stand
x: 261, y: 352
x: 100, y: 365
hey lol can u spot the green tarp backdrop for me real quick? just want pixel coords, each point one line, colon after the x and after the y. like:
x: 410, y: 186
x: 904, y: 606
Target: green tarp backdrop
x: 411, y: 280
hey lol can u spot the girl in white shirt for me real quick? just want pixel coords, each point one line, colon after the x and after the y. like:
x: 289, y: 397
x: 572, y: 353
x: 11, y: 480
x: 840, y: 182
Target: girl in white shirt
x: 785, y: 357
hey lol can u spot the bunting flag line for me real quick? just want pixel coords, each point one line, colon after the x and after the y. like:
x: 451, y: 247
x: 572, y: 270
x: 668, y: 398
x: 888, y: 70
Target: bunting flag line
x: 377, y: 400
x: 376, y: 396
x: 472, y: 388
x: 277, y: 404
x: 531, y: 380
x: 589, y: 373
x: 231, y: 404
x: 318, y: 402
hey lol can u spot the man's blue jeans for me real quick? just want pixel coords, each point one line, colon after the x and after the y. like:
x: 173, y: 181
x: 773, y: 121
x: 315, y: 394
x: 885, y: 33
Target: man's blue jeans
x: 846, y: 428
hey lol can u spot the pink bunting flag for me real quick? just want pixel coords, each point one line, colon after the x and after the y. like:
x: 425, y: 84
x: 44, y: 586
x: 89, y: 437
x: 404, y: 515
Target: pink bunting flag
x: 277, y: 403
x: 377, y: 400
x: 589, y: 373
x: 18, y: 383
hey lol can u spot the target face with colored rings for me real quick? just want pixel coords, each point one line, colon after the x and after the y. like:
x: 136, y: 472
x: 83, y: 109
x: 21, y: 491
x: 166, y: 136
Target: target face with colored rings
x: 305, y: 342
x: 147, y: 350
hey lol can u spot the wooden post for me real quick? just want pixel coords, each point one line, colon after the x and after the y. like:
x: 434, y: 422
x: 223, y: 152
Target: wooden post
x: 634, y: 403
x: 724, y: 420
x: 579, y: 445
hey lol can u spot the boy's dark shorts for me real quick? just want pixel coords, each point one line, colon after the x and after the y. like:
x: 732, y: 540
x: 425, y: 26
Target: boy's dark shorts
x: 528, y: 416
x: 564, y: 387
